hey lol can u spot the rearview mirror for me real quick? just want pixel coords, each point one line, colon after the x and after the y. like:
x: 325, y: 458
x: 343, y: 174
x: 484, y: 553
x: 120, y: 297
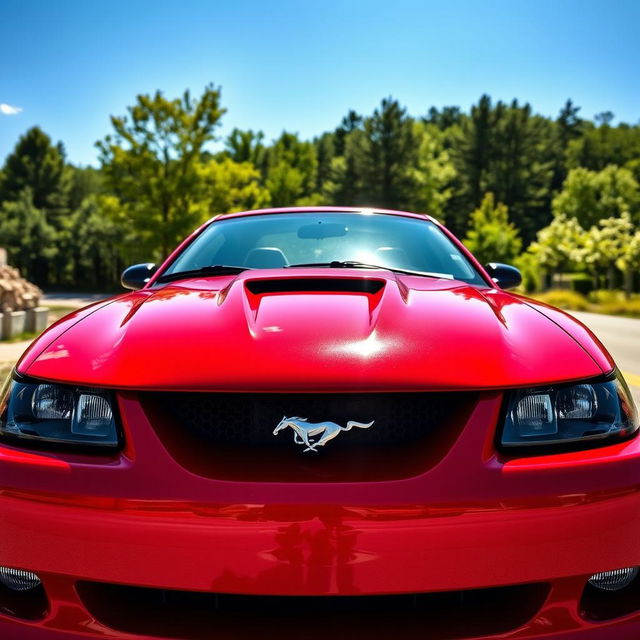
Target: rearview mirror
x: 136, y: 276
x: 504, y: 275
x: 322, y: 230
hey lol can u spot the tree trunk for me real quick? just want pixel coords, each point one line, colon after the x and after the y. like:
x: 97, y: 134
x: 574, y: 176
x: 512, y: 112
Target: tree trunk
x: 628, y: 283
x: 611, y: 279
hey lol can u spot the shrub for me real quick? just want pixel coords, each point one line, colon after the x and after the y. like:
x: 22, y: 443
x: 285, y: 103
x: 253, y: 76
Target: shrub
x: 564, y: 299
x: 606, y: 296
x: 621, y: 307
x: 530, y: 270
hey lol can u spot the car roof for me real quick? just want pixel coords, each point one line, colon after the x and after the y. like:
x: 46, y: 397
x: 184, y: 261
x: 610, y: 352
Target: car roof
x: 325, y: 209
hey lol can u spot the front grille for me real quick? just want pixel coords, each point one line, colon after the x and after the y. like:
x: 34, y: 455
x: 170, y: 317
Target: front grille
x: 193, y: 615
x: 230, y: 435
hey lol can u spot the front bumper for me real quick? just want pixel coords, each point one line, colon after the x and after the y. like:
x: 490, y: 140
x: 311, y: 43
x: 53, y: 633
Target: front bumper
x: 472, y: 522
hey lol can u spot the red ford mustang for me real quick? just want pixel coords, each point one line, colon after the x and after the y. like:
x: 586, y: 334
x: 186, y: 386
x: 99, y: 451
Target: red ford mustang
x: 319, y: 423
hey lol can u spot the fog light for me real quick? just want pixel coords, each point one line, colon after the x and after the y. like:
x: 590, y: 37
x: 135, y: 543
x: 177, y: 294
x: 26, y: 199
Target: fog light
x: 18, y: 580
x: 614, y: 580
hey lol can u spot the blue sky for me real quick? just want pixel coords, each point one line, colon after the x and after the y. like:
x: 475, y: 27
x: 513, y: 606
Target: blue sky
x: 300, y: 65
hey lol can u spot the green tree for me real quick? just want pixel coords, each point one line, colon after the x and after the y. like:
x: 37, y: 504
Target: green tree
x: 29, y: 239
x: 444, y: 118
x: 391, y: 153
x: 151, y: 163
x: 325, y: 152
x: 557, y: 246
x: 345, y: 182
x: 604, y: 245
x: 491, y: 237
x: 388, y: 160
x: 568, y: 127
x: 507, y: 150
x: 285, y: 184
x: 353, y: 121
x: 102, y: 235
x: 246, y: 146
x: 601, y: 146
x: 231, y: 186
x: 474, y: 149
x: 593, y: 195
x: 39, y: 166
x: 291, y: 170
x: 629, y: 261
x: 521, y: 168
x: 85, y: 181
x: 433, y: 172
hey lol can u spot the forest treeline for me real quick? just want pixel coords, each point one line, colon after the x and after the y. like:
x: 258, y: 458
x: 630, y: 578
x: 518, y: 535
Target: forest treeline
x: 553, y: 194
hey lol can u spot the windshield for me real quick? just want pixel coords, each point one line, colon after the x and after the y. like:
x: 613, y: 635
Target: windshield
x: 273, y: 241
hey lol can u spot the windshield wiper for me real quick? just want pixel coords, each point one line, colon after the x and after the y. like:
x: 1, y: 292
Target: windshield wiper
x: 354, y: 264
x: 213, y: 270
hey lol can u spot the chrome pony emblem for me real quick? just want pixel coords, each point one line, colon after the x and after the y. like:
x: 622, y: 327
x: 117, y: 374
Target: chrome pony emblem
x: 304, y: 432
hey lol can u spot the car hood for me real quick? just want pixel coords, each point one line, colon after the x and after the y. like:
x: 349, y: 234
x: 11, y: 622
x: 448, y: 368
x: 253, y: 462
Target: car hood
x: 314, y: 330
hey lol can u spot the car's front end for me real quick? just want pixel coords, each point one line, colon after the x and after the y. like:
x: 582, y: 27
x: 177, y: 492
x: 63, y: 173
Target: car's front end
x: 318, y: 453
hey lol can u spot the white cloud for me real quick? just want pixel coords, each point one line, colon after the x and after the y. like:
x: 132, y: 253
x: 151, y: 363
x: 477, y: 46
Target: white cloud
x: 8, y: 110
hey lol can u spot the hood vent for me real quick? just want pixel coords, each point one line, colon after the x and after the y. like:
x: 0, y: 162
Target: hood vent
x: 303, y: 285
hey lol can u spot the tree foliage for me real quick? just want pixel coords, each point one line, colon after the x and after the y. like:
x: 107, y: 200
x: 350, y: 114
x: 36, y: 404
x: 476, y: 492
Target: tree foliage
x: 604, y: 245
x: 590, y: 196
x: 231, y: 186
x: 629, y: 260
x: 102, y: 239
x: 555, y: 245
x: 600, y: 146
x: 36, y: 164
x: 491, y: 237
x: 504, y: 149
x: 27, y: 235
x: 151, y: 163
x: 564, y: 189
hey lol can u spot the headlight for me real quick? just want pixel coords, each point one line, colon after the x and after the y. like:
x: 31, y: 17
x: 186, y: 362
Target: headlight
x: 54, y: 413
x: 569, y: 413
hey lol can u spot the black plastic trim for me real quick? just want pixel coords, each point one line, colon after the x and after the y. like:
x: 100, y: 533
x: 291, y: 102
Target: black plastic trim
x: 293, y: 284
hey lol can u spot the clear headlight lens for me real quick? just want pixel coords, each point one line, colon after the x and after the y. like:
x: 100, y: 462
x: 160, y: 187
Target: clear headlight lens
x: 570, y: 413
x: 57, y: 413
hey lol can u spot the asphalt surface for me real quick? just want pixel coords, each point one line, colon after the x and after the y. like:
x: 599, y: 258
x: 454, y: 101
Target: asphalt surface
x: 621, y: 336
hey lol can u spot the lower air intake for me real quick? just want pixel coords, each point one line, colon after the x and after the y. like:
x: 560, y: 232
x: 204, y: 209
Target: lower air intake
x: 192, y: 615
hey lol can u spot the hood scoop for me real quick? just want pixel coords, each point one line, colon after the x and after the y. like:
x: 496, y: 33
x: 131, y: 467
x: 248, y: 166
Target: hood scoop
x: 312, y: 332
x: 325, y: 285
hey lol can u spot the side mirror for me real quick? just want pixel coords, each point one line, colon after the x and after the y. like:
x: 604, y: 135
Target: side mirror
x: 504, y: 275
x: 137, y: 276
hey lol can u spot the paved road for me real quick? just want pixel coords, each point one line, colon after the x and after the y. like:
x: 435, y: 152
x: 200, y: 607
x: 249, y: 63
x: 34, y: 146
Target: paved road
x: 621, y: 336
x: 76, y: 300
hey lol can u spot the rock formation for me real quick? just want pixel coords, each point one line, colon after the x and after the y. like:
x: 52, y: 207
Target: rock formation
x: 16, y: 293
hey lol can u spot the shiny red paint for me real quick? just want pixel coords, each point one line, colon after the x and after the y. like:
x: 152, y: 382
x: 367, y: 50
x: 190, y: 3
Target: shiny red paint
x: 416, y: 334
x: 577, y: 330
x: 476, y: 519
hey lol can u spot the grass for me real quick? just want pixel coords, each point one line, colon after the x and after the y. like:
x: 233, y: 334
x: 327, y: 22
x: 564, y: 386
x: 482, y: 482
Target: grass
x: 56, y: 312
x: 21, y: 337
